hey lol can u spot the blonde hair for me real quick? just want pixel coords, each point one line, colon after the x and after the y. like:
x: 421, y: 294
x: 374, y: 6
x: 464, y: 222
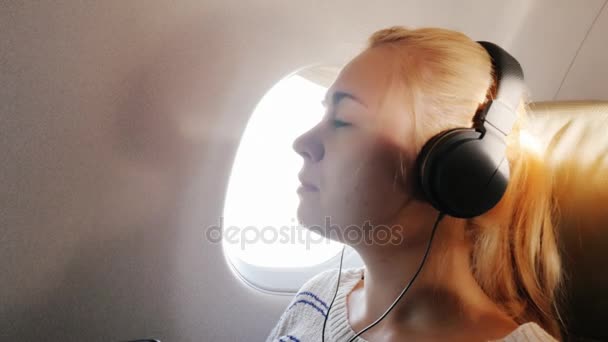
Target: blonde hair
x: 515, y: 256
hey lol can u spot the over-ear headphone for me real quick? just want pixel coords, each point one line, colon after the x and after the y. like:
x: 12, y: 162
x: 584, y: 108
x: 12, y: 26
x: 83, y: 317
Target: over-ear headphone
x: 464, y: 172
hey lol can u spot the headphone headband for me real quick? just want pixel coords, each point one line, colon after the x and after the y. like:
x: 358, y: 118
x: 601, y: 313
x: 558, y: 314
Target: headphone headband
x: 501, y: 112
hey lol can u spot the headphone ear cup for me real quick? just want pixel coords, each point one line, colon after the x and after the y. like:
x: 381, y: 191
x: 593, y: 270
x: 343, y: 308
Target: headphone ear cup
x: 460, y: 173
x: 436, y: 148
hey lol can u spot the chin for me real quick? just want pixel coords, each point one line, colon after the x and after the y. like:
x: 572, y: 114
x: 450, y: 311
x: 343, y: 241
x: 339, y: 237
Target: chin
x: 311, y: 218
x: 307, y: 217
x: 317, y: 222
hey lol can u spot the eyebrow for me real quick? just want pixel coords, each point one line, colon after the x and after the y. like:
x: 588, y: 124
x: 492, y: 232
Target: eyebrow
x: 337, y: 96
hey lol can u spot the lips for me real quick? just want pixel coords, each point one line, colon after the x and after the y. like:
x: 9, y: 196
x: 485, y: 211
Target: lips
x: 306, y: 185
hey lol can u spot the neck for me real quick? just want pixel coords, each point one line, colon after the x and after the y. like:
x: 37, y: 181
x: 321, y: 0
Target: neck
x: 445, y: 292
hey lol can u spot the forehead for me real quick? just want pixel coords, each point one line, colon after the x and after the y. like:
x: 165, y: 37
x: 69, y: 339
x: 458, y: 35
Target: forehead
x: 367, y: 76
x: 373, y: 78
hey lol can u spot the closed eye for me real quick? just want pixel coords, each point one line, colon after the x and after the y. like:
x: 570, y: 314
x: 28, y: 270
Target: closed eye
x: 339, y: 123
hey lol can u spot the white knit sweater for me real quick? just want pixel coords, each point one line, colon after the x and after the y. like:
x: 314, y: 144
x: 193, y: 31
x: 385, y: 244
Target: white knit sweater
x: 303, y: 319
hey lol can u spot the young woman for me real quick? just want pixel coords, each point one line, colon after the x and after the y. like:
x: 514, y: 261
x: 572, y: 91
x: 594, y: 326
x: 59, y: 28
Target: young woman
x: 491, y: 277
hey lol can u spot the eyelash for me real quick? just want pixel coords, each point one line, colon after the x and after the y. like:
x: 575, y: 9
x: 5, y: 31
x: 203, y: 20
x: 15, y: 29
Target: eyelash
x: 339, y: 123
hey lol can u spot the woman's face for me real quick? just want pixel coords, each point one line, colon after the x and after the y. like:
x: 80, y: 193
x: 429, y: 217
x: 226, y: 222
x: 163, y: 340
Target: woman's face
x: 351, y: 156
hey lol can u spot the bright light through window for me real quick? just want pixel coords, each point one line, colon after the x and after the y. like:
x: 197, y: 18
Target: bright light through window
x: 260, y: 222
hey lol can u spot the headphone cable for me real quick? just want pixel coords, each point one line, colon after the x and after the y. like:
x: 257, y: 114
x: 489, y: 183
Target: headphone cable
x: 335, y: 294
x: 426, y: 254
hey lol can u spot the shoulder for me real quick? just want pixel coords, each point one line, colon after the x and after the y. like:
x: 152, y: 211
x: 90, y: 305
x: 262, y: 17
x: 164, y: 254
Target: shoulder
x: 319, y: 290
x: 308, y: 308
x: 529, y: 332
x: 321, y: 281
x: 326, y: 281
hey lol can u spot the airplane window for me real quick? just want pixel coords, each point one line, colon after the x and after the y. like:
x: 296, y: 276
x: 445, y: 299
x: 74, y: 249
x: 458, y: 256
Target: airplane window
x: 262, y: 239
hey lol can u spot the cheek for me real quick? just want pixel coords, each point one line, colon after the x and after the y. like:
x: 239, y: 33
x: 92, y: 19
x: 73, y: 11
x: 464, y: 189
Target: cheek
x: 359, y: 186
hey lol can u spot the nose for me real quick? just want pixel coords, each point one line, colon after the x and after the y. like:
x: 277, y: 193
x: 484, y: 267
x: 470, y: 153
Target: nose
x: 309, y: 145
